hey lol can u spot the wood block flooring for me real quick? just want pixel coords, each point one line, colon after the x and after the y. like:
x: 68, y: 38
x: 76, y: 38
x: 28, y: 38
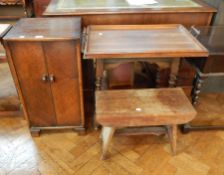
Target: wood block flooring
x: 66, y: 153
x: 8, y: 96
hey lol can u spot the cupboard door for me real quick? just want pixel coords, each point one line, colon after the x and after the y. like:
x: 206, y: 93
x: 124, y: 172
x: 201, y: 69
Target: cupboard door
x: 28, y: 59
x: 63, y: 67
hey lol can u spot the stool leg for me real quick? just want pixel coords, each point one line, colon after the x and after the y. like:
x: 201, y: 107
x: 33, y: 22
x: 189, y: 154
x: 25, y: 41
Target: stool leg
x: 172, y: 132
x: 107, y: 134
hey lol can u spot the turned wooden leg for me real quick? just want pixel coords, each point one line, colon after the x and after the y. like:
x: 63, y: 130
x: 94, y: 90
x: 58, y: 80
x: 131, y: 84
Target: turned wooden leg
x: 99, y: 69
x: 106, y: 135
x: 35, y: 132
x: 175, y: 64
x: 98, y: 83
x: 172, y: 133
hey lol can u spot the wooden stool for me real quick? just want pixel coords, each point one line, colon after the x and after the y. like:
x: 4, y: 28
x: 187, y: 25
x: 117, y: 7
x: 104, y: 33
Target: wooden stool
x: 142, y: 107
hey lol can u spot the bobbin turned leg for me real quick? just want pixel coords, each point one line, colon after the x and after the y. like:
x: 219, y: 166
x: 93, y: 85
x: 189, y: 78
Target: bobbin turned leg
x: 175, y: 64
x: 107, y: 134
x: 172, y: 133
x: 197, y: 85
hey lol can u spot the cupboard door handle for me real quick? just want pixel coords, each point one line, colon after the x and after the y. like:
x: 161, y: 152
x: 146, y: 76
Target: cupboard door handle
x: 44, y: 78
x: 52, y: 78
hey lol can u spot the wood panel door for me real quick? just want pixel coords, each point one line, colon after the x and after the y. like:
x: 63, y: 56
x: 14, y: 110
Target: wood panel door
x: 63, y: 67
x: 29, y: 62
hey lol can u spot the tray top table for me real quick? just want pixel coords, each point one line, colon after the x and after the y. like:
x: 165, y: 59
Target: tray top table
x: 142, y: 41
x: 129, y: 43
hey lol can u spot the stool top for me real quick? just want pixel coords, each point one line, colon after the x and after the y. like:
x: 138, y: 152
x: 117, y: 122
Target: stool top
x: 143, y: 107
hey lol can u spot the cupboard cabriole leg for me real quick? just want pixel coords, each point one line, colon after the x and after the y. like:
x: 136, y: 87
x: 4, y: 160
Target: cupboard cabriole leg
x: 107, y: 134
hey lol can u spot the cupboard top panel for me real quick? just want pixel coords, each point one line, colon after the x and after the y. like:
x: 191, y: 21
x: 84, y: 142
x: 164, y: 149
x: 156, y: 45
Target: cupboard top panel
x: 44, y: 29
x: 75, y: 7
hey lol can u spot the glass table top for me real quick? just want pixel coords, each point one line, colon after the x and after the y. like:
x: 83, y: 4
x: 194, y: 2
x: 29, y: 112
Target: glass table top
x: 211, y: 37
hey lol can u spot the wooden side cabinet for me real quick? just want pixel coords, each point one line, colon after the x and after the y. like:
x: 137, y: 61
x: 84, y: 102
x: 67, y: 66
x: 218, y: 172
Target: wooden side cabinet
x: 44, y: 57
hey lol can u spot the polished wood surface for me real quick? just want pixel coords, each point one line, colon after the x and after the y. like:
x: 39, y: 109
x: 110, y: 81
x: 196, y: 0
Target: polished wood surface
x: 66, y: 153
x: 138, y: 108
x: 143, y: 107
x: 130, y: 41
x: 66, y: 87
x: 48, y: 76
x: 45, y: 29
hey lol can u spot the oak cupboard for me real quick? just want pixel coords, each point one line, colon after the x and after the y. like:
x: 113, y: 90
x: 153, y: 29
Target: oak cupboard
x: 44, y: 58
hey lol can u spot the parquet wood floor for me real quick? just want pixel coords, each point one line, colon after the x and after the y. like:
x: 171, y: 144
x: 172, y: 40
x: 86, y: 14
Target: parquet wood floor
x: 66, y: 153
x: 8, y: 96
